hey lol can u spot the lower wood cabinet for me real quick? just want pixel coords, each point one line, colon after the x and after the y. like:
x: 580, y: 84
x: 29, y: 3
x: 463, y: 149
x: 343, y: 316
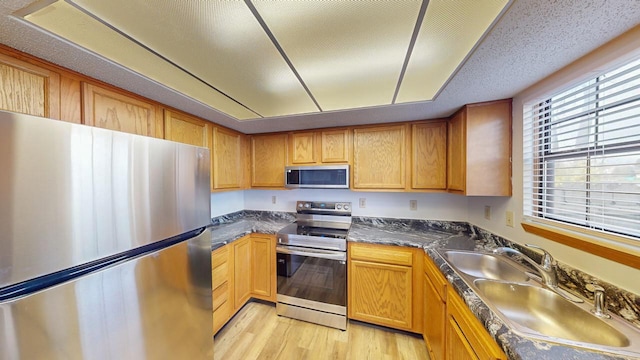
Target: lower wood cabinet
x: 385, y: 285
x: 222, y: 283
x: 263, y: 267
x: 435, y: 310
x: 466, y: 337
x: 242, y: 270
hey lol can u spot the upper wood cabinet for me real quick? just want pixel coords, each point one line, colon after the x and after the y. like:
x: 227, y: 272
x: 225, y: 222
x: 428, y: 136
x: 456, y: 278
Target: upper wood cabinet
x: 479, y: 149
x: 28, y: 89
x: 268, y: 160
x: 319, y: 147
x: 303, y: 148
x: 379, y: 157
x: 227, y: 159
x: 186, y: 129
x: 429, y: 155
x: 116, y: 111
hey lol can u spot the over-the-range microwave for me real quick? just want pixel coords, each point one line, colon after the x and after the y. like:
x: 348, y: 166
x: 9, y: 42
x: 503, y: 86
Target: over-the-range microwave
x: 317, y: 177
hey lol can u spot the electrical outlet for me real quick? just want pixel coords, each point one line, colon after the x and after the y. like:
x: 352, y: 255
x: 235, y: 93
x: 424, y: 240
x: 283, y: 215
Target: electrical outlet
x: 413, y: 205
x: 363, y: 203
x: 273, y: 199
x: 487, y: 212
x: 509, y: 218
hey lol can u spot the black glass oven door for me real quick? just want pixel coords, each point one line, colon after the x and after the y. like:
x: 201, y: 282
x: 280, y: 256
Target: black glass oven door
x: 302, y: 274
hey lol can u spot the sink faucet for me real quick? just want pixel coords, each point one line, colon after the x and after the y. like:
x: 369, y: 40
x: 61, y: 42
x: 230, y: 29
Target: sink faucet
x: 546, y: 268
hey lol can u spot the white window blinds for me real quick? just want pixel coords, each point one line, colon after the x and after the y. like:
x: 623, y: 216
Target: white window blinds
x: 582, y: 154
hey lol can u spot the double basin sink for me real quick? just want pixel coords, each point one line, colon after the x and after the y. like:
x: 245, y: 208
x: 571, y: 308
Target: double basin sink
x: 535, y: 311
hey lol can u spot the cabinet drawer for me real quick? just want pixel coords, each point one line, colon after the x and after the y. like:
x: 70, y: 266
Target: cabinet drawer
x: 219, y: 257
x: 220, y: 274
x: 221, y: 315
x: 381, y: 254
x: 220, y: 295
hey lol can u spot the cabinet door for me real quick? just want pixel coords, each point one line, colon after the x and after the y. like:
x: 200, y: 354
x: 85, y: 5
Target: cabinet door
x: 380, y: 294
x: 429, y: 155
x: 226, y: 159
x: 241, y: 272
x: 379, y: 157
x: 303, y: 148
x: 28, y: 89
x: 116, y: 111
x: 466, y: 336
x: 335, y: 146
x: 186, y: 129
x: 263, y: 261
x: 456, y: 152
x: 435, y: 314
x: 458, y: 347
x: 268, y: 160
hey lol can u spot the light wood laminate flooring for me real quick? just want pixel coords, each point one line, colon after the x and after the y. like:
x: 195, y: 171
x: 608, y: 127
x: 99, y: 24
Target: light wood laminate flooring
x: 256, y: 332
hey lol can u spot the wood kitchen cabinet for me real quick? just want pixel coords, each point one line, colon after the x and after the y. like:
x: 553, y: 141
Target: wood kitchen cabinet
x: 186, y: 129
x: 263, y: 267
x: 113, y: 110
x: 466, y: 338
x: 429, y: 155
x: 319, y: 147
x: 435, y: 311
x: 228, y: 159
x: 222, y: 286
x: 379, y: 157
x: 268, y: 160
x: 28, y: 89
x: 241, y: 271
x: 385, y: 285
x: 479, y: 149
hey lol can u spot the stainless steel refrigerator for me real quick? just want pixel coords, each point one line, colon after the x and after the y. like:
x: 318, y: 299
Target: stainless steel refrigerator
x: 104, y: 246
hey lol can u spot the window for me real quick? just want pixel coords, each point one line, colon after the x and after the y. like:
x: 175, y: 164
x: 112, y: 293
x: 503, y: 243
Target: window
x: 582, y: 155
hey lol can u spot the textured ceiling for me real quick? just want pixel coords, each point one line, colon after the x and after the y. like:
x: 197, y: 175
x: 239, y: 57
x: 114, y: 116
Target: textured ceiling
x: 530, y: 41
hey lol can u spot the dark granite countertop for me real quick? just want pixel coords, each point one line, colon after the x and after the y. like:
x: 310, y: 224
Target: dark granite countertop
x: 430, y: 236
x: 230, y: 227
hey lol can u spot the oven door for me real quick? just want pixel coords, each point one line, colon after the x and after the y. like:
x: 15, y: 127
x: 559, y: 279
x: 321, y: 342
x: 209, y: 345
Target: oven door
x: 312, y: 278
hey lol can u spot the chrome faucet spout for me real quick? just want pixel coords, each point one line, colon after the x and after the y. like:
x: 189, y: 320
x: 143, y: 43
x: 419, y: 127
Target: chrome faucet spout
x: 546, y: 270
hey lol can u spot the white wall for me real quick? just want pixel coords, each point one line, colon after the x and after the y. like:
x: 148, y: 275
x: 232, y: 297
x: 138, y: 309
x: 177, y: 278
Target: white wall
x: 625, y: 277
x: 378, y: 204
x: 226, y: 202
x: 392, y: 205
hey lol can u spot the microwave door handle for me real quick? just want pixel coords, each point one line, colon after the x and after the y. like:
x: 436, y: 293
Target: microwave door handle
x: 324, y: 255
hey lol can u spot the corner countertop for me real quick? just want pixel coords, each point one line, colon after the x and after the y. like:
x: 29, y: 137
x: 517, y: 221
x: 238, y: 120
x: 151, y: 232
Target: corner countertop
x: 430, y: 236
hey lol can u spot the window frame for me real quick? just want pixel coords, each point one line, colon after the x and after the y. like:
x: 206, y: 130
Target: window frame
x: 537, y: 218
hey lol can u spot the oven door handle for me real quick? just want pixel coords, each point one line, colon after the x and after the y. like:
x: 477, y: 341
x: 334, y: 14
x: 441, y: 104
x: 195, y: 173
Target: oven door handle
x: 331, y: 255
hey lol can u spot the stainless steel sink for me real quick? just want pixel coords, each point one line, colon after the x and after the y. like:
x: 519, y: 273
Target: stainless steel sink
x: 541, y: 310
x: 532, y: 310
x: 486, y: 266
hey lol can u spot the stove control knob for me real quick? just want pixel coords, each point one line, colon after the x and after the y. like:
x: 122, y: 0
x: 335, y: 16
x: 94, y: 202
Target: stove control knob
x: 339, y: 206
x: 300, y: 205
x: 307, y: 205
x: 346, y: 207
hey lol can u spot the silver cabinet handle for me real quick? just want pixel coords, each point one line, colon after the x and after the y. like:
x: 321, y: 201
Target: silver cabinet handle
x: 331, y: 255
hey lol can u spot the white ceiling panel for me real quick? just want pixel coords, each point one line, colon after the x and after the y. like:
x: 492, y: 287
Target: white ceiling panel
x: 449, y: 31
x: 70, y: 23
x: 219, y: 42
x: 349, y: 53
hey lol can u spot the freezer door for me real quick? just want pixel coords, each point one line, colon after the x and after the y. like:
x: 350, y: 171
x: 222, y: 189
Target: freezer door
x: 157, y: 306
x: 71, y: 194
